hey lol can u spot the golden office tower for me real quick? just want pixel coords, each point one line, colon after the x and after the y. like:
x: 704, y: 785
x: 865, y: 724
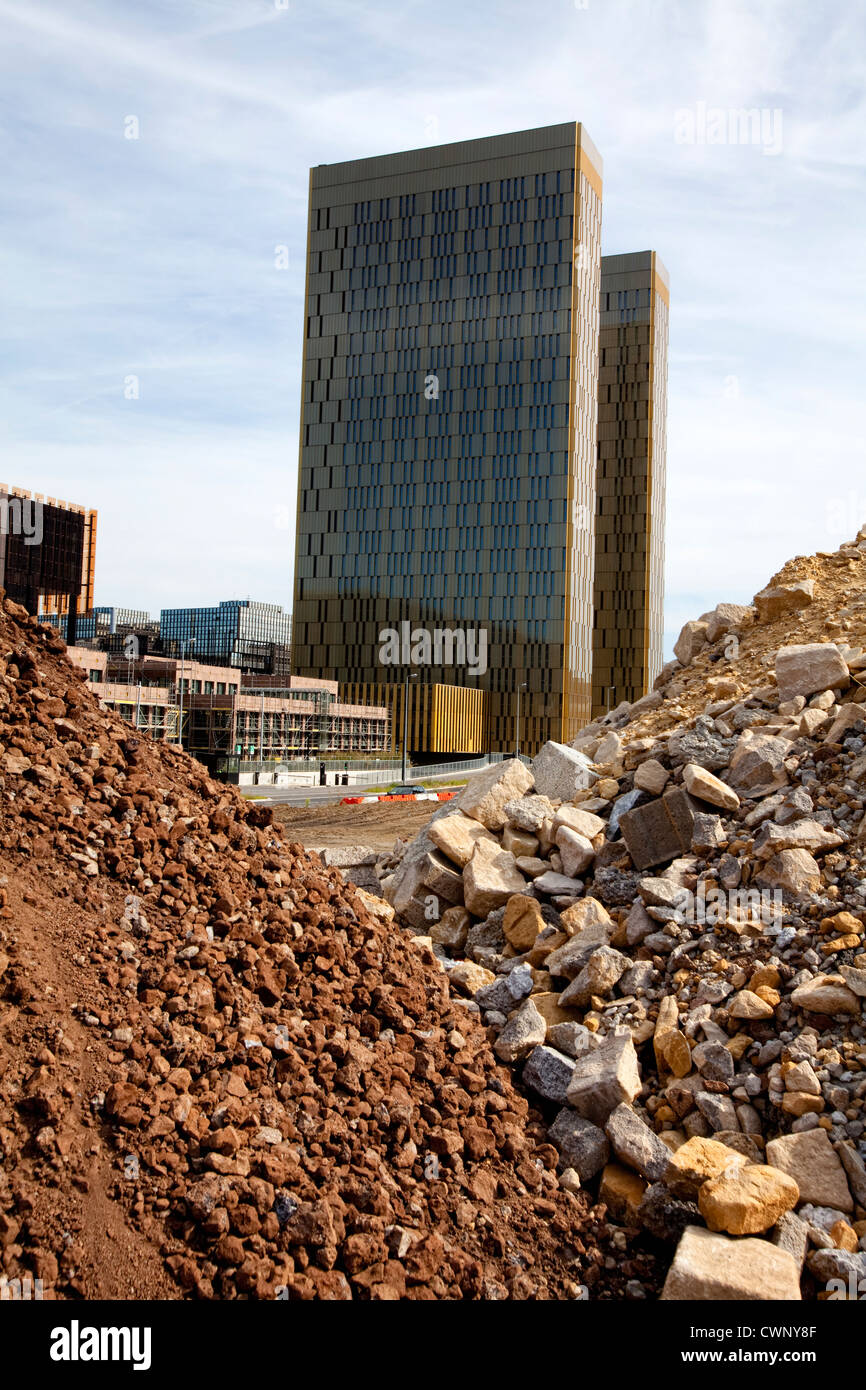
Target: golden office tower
x: 630, y: 487
x: 448, y: 430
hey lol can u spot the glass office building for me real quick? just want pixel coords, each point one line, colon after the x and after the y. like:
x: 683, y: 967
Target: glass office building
x: 448, y: 428
x: 234, y: 633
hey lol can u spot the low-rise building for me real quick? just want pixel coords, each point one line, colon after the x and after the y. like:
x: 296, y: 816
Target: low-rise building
x: 224, y: 720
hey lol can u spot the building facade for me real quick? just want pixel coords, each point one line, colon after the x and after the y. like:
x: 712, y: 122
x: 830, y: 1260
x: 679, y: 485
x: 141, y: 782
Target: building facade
x: 630, y: 486
x: 47, y: 555
x: 448, y: 428
x: 239, y: 633
x: 224, y: 720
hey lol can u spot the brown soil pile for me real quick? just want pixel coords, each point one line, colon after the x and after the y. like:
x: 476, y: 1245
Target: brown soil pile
x: 220, y: 1075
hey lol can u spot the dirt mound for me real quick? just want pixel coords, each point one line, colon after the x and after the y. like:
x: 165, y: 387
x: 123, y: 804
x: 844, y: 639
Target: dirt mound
x: 221, y: 1074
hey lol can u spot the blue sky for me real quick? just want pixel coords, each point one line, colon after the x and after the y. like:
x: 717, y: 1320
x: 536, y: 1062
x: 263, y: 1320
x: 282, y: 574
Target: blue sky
x: 152, y: 348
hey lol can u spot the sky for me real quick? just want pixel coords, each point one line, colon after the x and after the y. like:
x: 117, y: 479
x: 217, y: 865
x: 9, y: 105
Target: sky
x: 153, y: 224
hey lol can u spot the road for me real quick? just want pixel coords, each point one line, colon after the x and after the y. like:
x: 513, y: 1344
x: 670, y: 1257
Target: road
x: 302, y: 796
x: 329, y: 796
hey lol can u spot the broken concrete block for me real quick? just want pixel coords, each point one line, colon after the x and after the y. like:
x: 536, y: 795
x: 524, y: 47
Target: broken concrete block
x: 661, y: 830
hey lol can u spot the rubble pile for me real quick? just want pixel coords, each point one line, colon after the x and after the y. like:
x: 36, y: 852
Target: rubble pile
x: 661, y: 926
x: 224, y: 1072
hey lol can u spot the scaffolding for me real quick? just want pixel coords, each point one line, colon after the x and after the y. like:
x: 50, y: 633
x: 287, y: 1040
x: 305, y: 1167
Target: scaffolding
x: 148, y: 708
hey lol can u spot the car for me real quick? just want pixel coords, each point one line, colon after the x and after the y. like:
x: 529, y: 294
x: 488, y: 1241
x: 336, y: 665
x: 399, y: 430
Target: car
x: 408, y: 789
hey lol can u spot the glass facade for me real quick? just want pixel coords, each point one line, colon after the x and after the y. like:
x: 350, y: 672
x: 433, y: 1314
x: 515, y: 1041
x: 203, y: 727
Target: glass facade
x: 448, y: 431
x: 630, y: 489
x: 234, y: 633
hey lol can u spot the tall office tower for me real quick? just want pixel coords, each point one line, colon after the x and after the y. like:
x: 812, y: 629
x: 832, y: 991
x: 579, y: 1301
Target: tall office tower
x: 630, y: 505
x: 448, y: 434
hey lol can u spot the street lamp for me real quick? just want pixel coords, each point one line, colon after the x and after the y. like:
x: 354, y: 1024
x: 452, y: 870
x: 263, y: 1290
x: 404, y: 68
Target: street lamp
x: 185, y: 643
x: 523, y: 686
x: 410, y: 675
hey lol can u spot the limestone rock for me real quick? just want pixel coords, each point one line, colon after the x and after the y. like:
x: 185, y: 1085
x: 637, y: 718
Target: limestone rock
x: 746, y: 1004
x: 696, y: 1162
x: 603, y: 968
x: 525, y: 1030
x: 555, y: 884
x: 810, y: 1159
x: 726, y: 616
x: 561, y: 772
x: 582, y: 1145
x: 804, y: 669
x: 784, y: 598
x: 523, y: 921
x: 603, y: 1079
x: 488, y: 792
x: 519, y: 842
x: 549, y: 1073
x: 795, y: 871
x: 692, y: 639
x: 707, y: 787
x: 758, y: 763
x: 490, y: 878
x: 805, y: 834
x: 636, y: 1144
x: 586, y: 823
x: 747, y: 1201
x: 826, y: 994
x: 576, y: 851
x: 588, y: 922
x: 452, y: 929
x: 714, y: 1268
x: 622, y: 1192
x: 651, y: 777
x: 469, y: 977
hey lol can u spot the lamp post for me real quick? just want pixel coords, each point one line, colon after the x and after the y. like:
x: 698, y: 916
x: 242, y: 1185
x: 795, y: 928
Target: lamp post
x: 410, y: 675
x: 523, y: 686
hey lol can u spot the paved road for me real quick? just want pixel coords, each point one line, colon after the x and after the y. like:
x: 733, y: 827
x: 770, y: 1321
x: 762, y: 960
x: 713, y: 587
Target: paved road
x: 300, y: 796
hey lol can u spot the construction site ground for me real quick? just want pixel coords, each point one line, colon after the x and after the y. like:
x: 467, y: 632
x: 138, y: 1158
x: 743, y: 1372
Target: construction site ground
x: 376, y: 824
